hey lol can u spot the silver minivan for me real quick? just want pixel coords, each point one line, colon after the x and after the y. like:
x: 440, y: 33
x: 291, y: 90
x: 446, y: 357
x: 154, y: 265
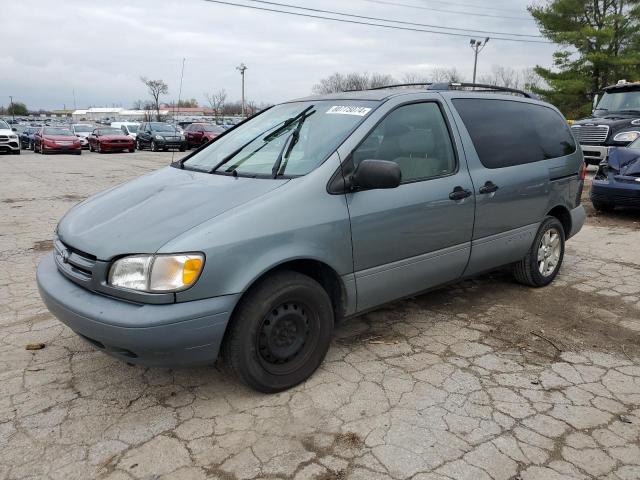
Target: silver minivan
x: 315, y: 210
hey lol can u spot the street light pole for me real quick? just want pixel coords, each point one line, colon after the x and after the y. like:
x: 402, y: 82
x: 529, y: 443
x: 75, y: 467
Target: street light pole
x: 241, y: 68
x: 477, y: 46
x: 13, y: 112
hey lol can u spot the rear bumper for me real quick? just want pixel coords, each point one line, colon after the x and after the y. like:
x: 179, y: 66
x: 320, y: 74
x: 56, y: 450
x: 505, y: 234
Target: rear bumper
x: 177, y: 334
x: 578, y: 216
x: 626, y: 195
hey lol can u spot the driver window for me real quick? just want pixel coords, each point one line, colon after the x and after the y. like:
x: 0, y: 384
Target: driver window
x: 416, y: 138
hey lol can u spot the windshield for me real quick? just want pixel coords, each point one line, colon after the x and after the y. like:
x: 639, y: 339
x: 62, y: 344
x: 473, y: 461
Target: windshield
x: 4, y: 125
x: 109, y: 131
x: 617, y: 101
x: 162, y: 127
x: 131, y: 128
x: 63, y: 132
x: 82, y: 128
x: 255, y: 147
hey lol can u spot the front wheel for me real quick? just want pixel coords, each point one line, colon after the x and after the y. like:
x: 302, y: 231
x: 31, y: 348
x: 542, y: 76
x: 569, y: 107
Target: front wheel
x: 154, y: 146
x: 280, y: 332
x: 542, y: 263
x: 138, y: 145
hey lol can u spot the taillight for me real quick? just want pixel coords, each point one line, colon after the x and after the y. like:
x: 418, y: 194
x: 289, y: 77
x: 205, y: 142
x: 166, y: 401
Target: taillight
x: 583, y: 174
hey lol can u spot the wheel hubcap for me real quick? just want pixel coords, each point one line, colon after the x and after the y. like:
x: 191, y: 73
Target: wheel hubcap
x: 283, y: 334
x: 549, y: 252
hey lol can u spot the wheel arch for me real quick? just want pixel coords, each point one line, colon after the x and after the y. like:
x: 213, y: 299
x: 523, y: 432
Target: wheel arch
x: 563, y: 215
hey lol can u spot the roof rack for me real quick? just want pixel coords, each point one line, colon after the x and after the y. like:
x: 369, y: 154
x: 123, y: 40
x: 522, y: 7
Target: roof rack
x: 456, y: 86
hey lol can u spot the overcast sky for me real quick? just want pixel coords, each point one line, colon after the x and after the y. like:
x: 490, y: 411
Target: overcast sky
x: 101, y: 48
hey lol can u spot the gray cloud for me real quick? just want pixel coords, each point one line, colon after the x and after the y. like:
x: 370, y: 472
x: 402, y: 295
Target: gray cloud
x: 100, y: 49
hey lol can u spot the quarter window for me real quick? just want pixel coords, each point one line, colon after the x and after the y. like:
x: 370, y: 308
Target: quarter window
x: 415, y: 137
x: 507, y: 133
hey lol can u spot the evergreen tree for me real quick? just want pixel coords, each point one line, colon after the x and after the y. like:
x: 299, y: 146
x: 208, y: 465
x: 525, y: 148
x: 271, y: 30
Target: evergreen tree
x: 600, y: 44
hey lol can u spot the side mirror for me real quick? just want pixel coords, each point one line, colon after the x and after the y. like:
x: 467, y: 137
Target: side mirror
x: 596, y: 97
x: 375, y: 174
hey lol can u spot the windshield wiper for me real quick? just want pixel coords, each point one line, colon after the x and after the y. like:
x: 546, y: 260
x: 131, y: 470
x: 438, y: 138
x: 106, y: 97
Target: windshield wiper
x: 289, y: 143
x: 268, y: 138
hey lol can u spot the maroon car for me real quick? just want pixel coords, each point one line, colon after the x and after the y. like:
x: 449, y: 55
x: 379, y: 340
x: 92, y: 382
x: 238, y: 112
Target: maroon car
x: 198, y: 134
x: 56, y: 140
x: 110, y: 139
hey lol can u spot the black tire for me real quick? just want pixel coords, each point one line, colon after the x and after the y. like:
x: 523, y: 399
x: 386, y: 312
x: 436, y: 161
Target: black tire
x: 603, y: 206
x: 154, y: 146
x: 280, y: 332
x: 90, y: 148
x: 79, y: 152
x: 527, y: 271
x: 131, y: 150
x: 182, y: 149
x: 98, y: 148
x: 138, y: 145
x: 16, y: 152
x: 31, y: 146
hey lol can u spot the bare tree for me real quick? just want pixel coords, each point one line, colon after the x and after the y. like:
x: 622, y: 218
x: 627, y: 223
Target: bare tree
x: 500, y: 76
x: 217, y: 101
x: 414, y: 77
x: 340, y: 82
x: 440, y: 74
x: 156, y: 88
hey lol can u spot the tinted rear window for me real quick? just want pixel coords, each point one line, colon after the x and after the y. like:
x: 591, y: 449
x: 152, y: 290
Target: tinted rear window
x: 507, y: 133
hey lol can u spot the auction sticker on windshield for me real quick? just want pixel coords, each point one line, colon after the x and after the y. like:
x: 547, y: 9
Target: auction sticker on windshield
x: 349, y: 110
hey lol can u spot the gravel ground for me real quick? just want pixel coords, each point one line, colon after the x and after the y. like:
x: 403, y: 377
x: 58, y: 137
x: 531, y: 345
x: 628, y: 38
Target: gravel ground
x: 485, y: 379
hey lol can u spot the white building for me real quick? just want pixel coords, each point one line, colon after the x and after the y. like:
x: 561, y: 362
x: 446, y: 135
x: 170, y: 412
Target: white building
x: 114, y: 114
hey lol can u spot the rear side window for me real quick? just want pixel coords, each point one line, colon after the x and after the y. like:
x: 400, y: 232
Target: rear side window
x: 507, y: 133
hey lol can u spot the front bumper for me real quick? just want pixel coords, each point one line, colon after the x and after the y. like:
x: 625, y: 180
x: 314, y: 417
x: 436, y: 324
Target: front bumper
x: 10, y: 146
x: 618, y: 193
x: 171, y: 143
x: 117, y: 147
x: 177, y: 334
x: 594, y: 154
x: 61, y: 148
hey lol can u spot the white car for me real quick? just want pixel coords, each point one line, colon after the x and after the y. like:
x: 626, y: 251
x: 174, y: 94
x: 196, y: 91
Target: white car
x: 128, y: 128
x: 82, y: 131
x: 8, y: 139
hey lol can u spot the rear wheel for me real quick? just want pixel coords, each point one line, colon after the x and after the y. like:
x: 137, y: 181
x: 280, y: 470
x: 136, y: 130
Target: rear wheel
x: 602, y: 206
x: 280, y: 332
x: 541, y: 265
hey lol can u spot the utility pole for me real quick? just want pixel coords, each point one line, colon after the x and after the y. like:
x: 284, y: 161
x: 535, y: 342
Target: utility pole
x: 241, y: 68
x: 477, y: 46
x: 13, y: 113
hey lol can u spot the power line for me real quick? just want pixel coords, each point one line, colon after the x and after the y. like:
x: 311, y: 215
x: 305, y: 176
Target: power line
x: 420, y: 7
x: 483, y: 7
x: 402, y: 22
x: 344, y: 20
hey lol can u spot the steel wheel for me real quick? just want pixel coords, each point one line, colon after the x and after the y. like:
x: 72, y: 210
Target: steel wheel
x: 282, y: 338
x: 549, y: 252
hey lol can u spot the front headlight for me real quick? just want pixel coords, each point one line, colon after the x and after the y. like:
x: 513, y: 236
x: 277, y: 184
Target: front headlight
x: 626, y: 136
x: 156, y: 273
x: 181, y: 137
x: 159, y: 137
x: 635, y: 122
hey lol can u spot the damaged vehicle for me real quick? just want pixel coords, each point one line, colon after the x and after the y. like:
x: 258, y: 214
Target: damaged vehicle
x: 617, y: 181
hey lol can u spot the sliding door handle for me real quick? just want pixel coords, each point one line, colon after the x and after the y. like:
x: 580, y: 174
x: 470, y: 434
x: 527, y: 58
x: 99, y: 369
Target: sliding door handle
x: 488, y: 187
x: 459, y: 193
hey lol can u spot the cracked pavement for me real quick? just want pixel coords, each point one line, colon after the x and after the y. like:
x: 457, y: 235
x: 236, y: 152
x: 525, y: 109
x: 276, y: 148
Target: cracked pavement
x: 484, y: 379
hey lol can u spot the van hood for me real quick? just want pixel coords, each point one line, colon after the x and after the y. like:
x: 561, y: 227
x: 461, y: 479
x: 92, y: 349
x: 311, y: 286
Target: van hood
x: 142, y: 215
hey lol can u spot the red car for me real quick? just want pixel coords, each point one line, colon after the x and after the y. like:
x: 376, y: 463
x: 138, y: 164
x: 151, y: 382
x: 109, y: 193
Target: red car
x: 198, y: 134
x: 110, y: 140
x: 56, y: 140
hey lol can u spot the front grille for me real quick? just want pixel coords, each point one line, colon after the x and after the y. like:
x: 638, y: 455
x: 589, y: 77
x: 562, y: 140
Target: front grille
x: 4, y: 138
x: 590, y: 133
x: 76, y: 265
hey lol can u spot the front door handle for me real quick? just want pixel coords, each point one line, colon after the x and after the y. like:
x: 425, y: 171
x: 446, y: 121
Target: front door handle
x: 459, y: 193
x: 488, y: 187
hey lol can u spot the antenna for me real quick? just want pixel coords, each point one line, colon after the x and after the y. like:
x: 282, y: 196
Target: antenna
x: 173, y: 152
